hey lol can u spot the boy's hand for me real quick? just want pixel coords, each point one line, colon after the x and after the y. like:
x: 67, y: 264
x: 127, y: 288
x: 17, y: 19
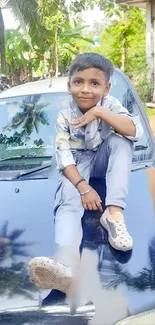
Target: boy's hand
x: 87, y: 118
x: 92, y: 201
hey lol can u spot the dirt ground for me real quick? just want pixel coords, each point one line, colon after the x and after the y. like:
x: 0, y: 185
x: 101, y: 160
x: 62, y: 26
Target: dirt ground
x: 152, y: 123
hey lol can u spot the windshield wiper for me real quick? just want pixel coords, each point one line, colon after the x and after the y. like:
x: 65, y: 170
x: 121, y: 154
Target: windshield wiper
x: 36, y: 169
x: 32, y: 171
x: 25, y: 157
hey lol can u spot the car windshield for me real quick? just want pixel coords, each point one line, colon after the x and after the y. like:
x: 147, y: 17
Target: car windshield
x: 27, y: 129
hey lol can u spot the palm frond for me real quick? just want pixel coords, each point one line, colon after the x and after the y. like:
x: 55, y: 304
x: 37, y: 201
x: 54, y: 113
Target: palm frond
x: 16, y: 267
x: 144, y: 280
x: 19, y: 252
x: 28, y: 125
x: 4, y: 230
x: 16, y: 121
x: 13, y: 283
x: 44, y: 118
x: 152, y: 253
x: 36, y: 125
x: 15, y: 8
x: 89, y: 40
x: 70, y: 50
x: 34, y: 99
x: 16, y: 234
x: 41, y: 106
x: 23, y: 244
x: 26, y: 12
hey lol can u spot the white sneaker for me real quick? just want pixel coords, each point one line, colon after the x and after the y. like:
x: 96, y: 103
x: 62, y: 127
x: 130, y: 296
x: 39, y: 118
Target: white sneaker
x: 118, y: 235
x: 46, y: 273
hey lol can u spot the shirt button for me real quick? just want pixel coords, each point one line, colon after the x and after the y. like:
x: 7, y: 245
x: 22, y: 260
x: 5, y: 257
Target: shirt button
x: 87, y: 132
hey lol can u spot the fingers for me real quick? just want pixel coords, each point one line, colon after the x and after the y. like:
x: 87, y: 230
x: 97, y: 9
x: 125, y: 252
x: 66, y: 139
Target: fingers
x: 99, y: 205
x: 100, y: 208
x: 80, y: 125
x: 90, y: 207
x: 96, y: 205
x: 81, y: 122
x: 85, y: 206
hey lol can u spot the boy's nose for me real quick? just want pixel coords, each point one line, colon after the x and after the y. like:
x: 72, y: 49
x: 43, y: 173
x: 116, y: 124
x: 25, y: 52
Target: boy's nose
x: 85, y: 88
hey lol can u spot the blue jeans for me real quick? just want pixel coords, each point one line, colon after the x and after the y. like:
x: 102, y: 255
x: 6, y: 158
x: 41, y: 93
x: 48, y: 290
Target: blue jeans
x: 111, y: 161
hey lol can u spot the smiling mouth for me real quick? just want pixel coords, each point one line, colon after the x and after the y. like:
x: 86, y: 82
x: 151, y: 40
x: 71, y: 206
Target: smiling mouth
x: 84, y: 98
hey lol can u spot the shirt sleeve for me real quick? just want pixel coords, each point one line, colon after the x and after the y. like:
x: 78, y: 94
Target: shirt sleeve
x: 64, y: 155
x: 114, y: 105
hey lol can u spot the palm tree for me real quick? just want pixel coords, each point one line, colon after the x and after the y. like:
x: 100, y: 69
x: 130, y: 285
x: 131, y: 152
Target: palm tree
x: 26, y: 12
x: 113, y: 274
x: 14, y: 279
x: 10, y: 247
x: 30, y: 116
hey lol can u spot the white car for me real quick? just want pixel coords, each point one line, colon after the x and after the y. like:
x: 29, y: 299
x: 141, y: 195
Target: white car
x: 114, y: 285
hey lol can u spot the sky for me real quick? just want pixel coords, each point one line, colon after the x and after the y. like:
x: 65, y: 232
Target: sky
x: 9, y: 20
x: 89, y: 18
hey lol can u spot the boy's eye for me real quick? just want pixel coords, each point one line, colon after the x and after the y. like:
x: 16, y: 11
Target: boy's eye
x: 95, y: 83
x: 77, y: 82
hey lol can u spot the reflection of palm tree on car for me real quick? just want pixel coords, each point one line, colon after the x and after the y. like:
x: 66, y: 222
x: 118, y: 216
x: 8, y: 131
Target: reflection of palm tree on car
x: 113, y: 274
x: 30, y: 115
x: 9, y: 244
x: 13, y: 277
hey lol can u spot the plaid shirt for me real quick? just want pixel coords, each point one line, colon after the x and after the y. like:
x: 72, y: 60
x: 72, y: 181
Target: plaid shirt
x: 70, y: 140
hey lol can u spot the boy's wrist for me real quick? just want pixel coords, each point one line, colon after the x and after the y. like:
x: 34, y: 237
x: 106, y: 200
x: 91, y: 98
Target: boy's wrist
x: 98, y: 110
x: 83, y: 186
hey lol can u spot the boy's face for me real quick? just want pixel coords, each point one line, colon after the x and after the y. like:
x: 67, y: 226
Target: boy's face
x: 87, y: 87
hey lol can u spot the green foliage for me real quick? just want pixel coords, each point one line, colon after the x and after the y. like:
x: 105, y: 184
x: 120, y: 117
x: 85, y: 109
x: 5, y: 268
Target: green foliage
x: 26, y: 12
x: 54, y: 34
x: 144, y: 88
x: 150, y: 112
x: 63, y: 34
x: 17, y: 52
x: 128, y: 27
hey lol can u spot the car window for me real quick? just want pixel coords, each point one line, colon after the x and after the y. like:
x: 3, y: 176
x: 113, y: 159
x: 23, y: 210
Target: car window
x: 121, y: 90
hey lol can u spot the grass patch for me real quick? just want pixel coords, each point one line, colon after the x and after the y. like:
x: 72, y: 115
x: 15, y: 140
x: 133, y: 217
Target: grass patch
x: 150, y: 111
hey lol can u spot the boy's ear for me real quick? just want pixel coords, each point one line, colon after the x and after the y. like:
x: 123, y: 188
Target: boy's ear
x: 69, y: 87
x: 107, y: 88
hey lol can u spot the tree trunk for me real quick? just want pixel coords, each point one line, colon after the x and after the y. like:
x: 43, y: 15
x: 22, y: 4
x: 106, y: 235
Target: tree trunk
x: 56, y: 54
x: 123, y: 54
x: 2, y: 44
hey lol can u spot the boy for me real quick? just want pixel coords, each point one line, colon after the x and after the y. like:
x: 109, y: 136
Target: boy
x: 94, y: 137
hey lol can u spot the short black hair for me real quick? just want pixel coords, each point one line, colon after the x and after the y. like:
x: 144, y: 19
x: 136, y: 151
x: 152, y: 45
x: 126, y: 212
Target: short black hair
x: 91, y: 60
